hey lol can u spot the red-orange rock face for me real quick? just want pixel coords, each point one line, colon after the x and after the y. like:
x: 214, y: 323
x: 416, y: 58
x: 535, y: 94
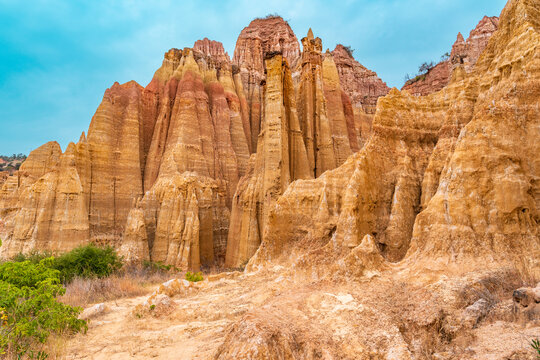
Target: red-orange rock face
x: 464, y: 53
x: 211, y: 48
x: 261, y: 37
x: 437, y: 78
x: 362, y: 85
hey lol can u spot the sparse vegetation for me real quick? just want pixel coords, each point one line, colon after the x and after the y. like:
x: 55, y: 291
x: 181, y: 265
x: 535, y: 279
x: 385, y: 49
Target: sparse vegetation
x: 30, y: 311
x: 11, y: 163
x: 268, y: 16
x: 130, y: 281
x: 87, y: 261
x: 34, y: 257
x: 349, y: 50
x: 194, y: 277
x: 42, y: 295
x: 535, y: 344
x: 272, y: 16
x: 423, y: 70
x: 445, y: 57
x: 158, y: 266
x: 425, y: 67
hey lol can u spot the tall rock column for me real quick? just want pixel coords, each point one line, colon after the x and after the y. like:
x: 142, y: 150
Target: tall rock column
x: 314, y: 121
x: 281, y: 158
x: 263, y: 36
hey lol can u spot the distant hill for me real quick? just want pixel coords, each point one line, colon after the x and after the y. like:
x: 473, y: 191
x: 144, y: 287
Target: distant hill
x: 11, y: 163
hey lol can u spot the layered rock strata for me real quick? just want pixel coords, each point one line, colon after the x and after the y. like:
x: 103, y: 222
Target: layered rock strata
x: 162, y: 159
x: 362, y: 87
x: 301, y: 138
x: 446, y: 180
x: 182, y: 135
x: 262, y: 37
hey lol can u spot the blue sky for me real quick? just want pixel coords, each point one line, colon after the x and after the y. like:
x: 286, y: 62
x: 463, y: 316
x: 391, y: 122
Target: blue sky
x: 58, y: 57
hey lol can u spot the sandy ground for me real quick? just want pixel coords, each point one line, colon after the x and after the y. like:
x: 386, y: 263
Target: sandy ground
x: 342, y: 319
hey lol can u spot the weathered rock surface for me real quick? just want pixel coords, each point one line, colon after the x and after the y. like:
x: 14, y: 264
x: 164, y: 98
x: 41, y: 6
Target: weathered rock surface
x: 182, y: 135
x: 156, y: 175
x: 262, y: 37
x: 527, y: 297
x: 167, y: 171
x: 467, y: 52
x: 464, y: 53
x: 363, y: 87
x: 447, y: 180
x: 410, y: 248
x: 302, y: 137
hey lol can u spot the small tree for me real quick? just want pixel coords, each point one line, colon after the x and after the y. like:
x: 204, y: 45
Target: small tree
x: 426, y: 67
x: 349, y: 50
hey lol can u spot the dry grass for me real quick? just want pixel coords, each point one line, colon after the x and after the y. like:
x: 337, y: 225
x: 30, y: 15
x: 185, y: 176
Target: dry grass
x: 133, y: 281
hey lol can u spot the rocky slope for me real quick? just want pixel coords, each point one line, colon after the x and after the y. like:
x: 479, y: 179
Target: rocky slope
x: 449, y: 176
x: 444, y: 193
x: 464, y: 53
x: 141, y: 147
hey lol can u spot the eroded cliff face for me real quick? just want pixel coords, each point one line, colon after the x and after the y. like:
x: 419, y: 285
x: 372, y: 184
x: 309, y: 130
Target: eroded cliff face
x: 447, y: 180
x: 443, y: 198
x: 397, y: 239
x: 262, y: 37
x: 172, y: 155
x: 464, y: 54
x: 363, y: 87
x: 303, y: 136
x: 276, y: 147
x: 174, y: 149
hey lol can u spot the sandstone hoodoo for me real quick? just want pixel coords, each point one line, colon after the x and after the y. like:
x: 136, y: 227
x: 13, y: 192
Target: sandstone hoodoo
x: 165, y: 172
x: 368, y: 223
x: 157, y: 174
x: 262, y: 37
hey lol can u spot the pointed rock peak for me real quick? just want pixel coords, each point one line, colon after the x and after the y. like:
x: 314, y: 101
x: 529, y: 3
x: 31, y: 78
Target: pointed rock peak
x: 131, y: 84
x: 83, y: 137
x: 71, y: 149
x: 211, y: 48
x: 343, y: 51
x: 487, y: 24
x: 460, y: 38
x: 368, y: 245
x: 310, y: 34
x: 271, y: 34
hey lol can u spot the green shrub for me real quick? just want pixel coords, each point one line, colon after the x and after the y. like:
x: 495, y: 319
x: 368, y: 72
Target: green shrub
x: 535, y: 343
x: 158, y: 266
x: 194, y: 277
x: 34, y: 257
x: 87, y: 261
x: 29, y: 309
x: 349, y: 50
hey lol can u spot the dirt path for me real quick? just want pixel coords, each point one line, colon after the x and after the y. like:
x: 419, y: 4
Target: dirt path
x: 193, y: 330
x: 272, y: 314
